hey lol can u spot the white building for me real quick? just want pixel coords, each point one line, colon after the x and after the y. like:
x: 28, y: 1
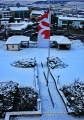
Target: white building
x: 74, y: 21
x: 6, y: 14
x: 61, y: 42
x: 15, y: 42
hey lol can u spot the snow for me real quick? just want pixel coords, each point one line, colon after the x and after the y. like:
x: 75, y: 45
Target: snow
x: 18, y: 8
x: 71, y: 18
x: 74, y: 58
x: 60, y: 39
x: 19, y: 26
x: 17, y: 39
x: 37, y: 12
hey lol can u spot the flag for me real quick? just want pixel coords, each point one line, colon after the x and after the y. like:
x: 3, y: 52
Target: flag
x: 44, y: 30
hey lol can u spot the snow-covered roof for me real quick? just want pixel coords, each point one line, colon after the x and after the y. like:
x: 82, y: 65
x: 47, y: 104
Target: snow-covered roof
x: 19, y: 26
x: 18, y: 8
x: 4, y: 19
x: 71, y: 18
x: 6, y: 11
x: 37, y: 12
x: 60, y: 39
x: 17, y: 39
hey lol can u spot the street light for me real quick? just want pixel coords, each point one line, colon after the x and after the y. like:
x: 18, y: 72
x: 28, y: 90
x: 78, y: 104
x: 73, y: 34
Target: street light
x: 58, y: 79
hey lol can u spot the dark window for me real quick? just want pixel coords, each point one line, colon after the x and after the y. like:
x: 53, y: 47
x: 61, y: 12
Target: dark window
x: 82, y: 23
x: 12, y: 46
x: 67, y: 22
x: 64, y: 22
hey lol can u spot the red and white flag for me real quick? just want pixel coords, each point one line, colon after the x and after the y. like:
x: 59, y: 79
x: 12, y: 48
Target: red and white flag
x: 44, y: 30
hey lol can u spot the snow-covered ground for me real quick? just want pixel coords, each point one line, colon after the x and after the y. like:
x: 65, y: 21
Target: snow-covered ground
x: 74, y: 58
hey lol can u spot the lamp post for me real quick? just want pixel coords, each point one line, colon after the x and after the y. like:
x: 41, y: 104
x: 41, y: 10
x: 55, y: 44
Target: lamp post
x: 58, y: 79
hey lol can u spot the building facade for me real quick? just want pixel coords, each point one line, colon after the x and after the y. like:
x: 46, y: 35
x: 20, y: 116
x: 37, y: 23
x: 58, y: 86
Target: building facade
x: 73, y: 21
x: 6, y: 14
x: 19, y: 12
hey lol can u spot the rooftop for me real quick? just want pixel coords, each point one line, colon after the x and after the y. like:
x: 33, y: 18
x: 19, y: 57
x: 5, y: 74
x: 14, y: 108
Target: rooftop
x: 71, y: 18
x: 19, y: 26
x: 37, y: 12
x: 17, y: 39
x: 18, y: 8
x: 60, y: 39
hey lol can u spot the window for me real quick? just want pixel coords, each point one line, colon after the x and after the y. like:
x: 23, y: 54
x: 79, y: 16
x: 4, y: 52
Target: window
x: 67, y: 22
x: 82, y: 23
x: 70, y: 22
x: 12, y: 46
x: 64, y: 22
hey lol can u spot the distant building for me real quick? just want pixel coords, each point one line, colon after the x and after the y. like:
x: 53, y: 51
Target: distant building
x: 6, y: 14
x: 19, y: 12
x: 36, y: 14
x: 73, y: 21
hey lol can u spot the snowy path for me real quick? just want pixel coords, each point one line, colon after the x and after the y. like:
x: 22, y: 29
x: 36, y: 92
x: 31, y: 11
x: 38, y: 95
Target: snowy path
x: 59, y: 106
x: 46, y: 103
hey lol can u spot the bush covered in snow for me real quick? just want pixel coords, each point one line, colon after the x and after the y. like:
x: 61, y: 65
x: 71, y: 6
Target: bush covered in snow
x: 13, y: 98
x: 25, y: 99
x: 75, y: 96
x: 56, y: 63
x: 7, y: 91
x: 24, y: 63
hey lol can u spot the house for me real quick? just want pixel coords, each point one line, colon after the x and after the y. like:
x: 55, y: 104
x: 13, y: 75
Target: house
x: 73, y: 21
x: 16, y: 42
x: 61, y: 42
x: 36, y: 14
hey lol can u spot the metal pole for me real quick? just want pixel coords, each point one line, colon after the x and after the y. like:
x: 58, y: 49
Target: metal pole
x: 49, y: 48
x: 58, y: 80
x: 48, y: 63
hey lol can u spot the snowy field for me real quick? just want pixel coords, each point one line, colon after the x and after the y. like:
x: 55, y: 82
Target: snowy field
x: 74, y: 58
x: 25, y: 77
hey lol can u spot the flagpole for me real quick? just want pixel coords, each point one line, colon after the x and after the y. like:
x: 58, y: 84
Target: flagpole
x: 49, y: 46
